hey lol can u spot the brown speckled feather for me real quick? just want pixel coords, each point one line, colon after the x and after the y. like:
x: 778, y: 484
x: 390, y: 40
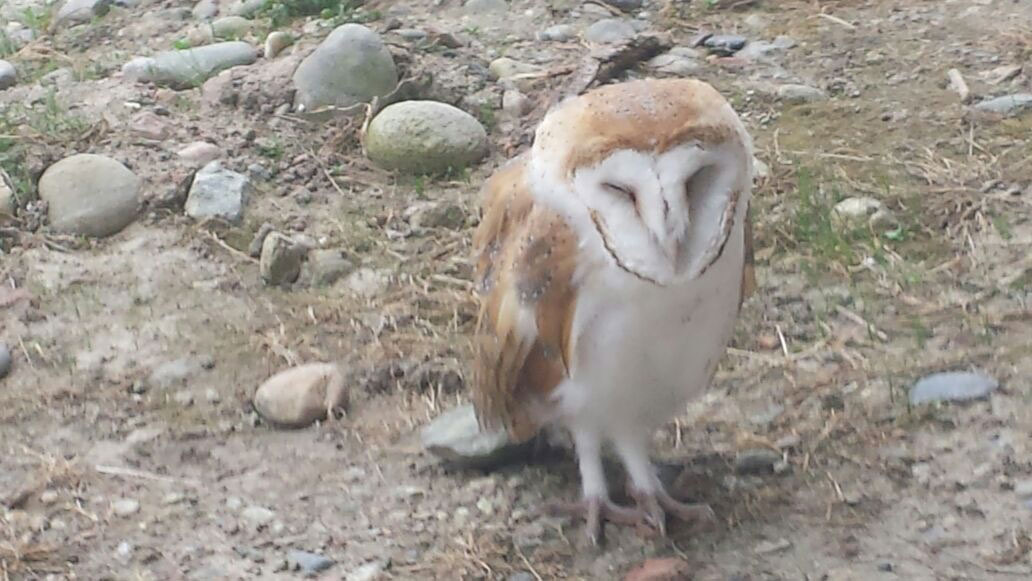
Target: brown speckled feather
x: 525, y: 259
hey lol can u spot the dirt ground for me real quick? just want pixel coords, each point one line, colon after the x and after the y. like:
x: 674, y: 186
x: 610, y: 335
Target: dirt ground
x: 135, y: 356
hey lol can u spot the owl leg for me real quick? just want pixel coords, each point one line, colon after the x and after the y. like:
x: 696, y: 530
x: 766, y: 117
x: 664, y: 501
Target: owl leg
x: 594, y: 505
x: 644, y: 486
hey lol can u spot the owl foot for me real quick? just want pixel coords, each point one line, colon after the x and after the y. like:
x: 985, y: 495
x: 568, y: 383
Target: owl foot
x: 594, y: 510
x: 656, y: 505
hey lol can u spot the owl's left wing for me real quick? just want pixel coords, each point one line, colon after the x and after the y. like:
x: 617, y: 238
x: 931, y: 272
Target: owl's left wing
x: 525, y: 258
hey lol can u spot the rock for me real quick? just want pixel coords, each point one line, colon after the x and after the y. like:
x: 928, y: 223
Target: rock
x: 246, y: 7
x: 793, y: 93
x: 436, y: 215
x: 125, y: 507
x: 8, y: 75
x: 49, y: 497
x: 351, y: 66
x: 8, y: 199
x: 231, y: 27
x: 624, y: 5
x: 680, y: 61
x: 952, y: 386
x: 5, y: 360
x: 329, y: 266
x: 506, y: 68
x: 760, y: 49
x: 149, y: 125
x: 308, y: 563
x: 199, y: 153
x: 1008, y: 105
x: 486, y: 7
x: 299, y: 396
x: 217, y: 192
x: 367, y: 572
x: 609, y: 31
x: 456, y: 437
x: 367, y: 282
x: 276, y: 42
x: 183, y: 397
x: 558, y: 33
x: 254, y: 249
x: 425, y: 137
x: 78, y: 11
x: 411, y: 34
x: 280, y: 261
x: 90, y: 195
x: 258, y: 516
x: 1003, y: 74
x: 1023, y: 489
x: 189, y: 68
x: 665, y: 569
x: 205, y: 10
x: 724, y: 44
x: 515, y: 103
x: 768, y: 547
x: 521, y: 576
x: 863, y: 208
x: 756, y: 461
x: 200, y: 35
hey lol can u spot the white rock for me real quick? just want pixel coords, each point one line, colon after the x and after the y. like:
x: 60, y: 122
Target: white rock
x: 231, y: 27
x: 863, y: 208
x: 299, y: 396
x: 515, y: 103
x: 8, y: 201
x: 258, y: 515
x: 90, y: 195
x: 205, y: 9
x: 125, y: 507
x: 218, y: 192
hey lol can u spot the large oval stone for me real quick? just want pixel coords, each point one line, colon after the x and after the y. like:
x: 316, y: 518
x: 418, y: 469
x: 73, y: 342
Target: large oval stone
x: 351, y: 66
x: 425, y: 137
x: 89, y: 194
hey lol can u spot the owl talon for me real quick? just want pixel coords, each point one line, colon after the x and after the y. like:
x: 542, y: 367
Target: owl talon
x: 595, y: 510
x: 655, y: 506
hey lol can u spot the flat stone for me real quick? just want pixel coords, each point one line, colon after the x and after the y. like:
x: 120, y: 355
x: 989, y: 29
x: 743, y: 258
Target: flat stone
x: 90, y: 195
x: 455, y: 437
x: 609, y: 31
x: 724, y: 44
x: 486, y: 7
x: 327, y: 266
x: 308, y: 563
x: 952, y: 386
x: 681, y: 61
x: 200, y: 153
x: 231, y: 27
x: 191, y: 67
x: 205, y: 9
x: 258, y: 515
x: 1006, y: 105
x: 794, y: 93
x: 558, y: 33
x: 662, y: 569
x: 79, y: 11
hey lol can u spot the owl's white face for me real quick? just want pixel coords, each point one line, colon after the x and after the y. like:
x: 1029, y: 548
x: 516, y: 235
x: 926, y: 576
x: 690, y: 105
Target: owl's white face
x: 664, y: 217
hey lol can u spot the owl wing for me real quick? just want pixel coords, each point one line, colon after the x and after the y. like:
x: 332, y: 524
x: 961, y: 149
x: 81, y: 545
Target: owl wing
x: 525, y: 259
x: 748, y: 268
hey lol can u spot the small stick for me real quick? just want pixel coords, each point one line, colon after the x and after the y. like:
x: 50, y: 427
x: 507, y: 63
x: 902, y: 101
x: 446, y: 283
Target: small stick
x: 133, y: 473
x: 958, y: 84
x: 781, y: 338
x: 837, y: 20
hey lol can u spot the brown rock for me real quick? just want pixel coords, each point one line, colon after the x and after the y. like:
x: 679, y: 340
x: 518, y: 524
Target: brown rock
x: 297, y: 397
x: 669, y: 569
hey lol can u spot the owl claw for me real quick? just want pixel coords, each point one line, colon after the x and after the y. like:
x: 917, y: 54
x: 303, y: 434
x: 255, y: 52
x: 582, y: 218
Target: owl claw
x: 658, y: 504
x: 595, y: 510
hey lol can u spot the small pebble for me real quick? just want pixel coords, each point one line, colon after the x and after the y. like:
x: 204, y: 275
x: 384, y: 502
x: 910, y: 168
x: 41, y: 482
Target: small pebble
x: 48, y: 497
x: 952, y: 386
x: 768, y: 547
x: 756, y: 461
x: 258, y: 515
x: 5, y: 360
x: 724, y: 44
x: 308, y: 563
x: 125, y: 507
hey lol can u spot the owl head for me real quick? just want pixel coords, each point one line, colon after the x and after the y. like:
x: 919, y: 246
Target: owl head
x: 657, y: 170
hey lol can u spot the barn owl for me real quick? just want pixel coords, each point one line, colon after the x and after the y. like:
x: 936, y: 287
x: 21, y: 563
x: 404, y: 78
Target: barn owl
x: 610, y: 264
